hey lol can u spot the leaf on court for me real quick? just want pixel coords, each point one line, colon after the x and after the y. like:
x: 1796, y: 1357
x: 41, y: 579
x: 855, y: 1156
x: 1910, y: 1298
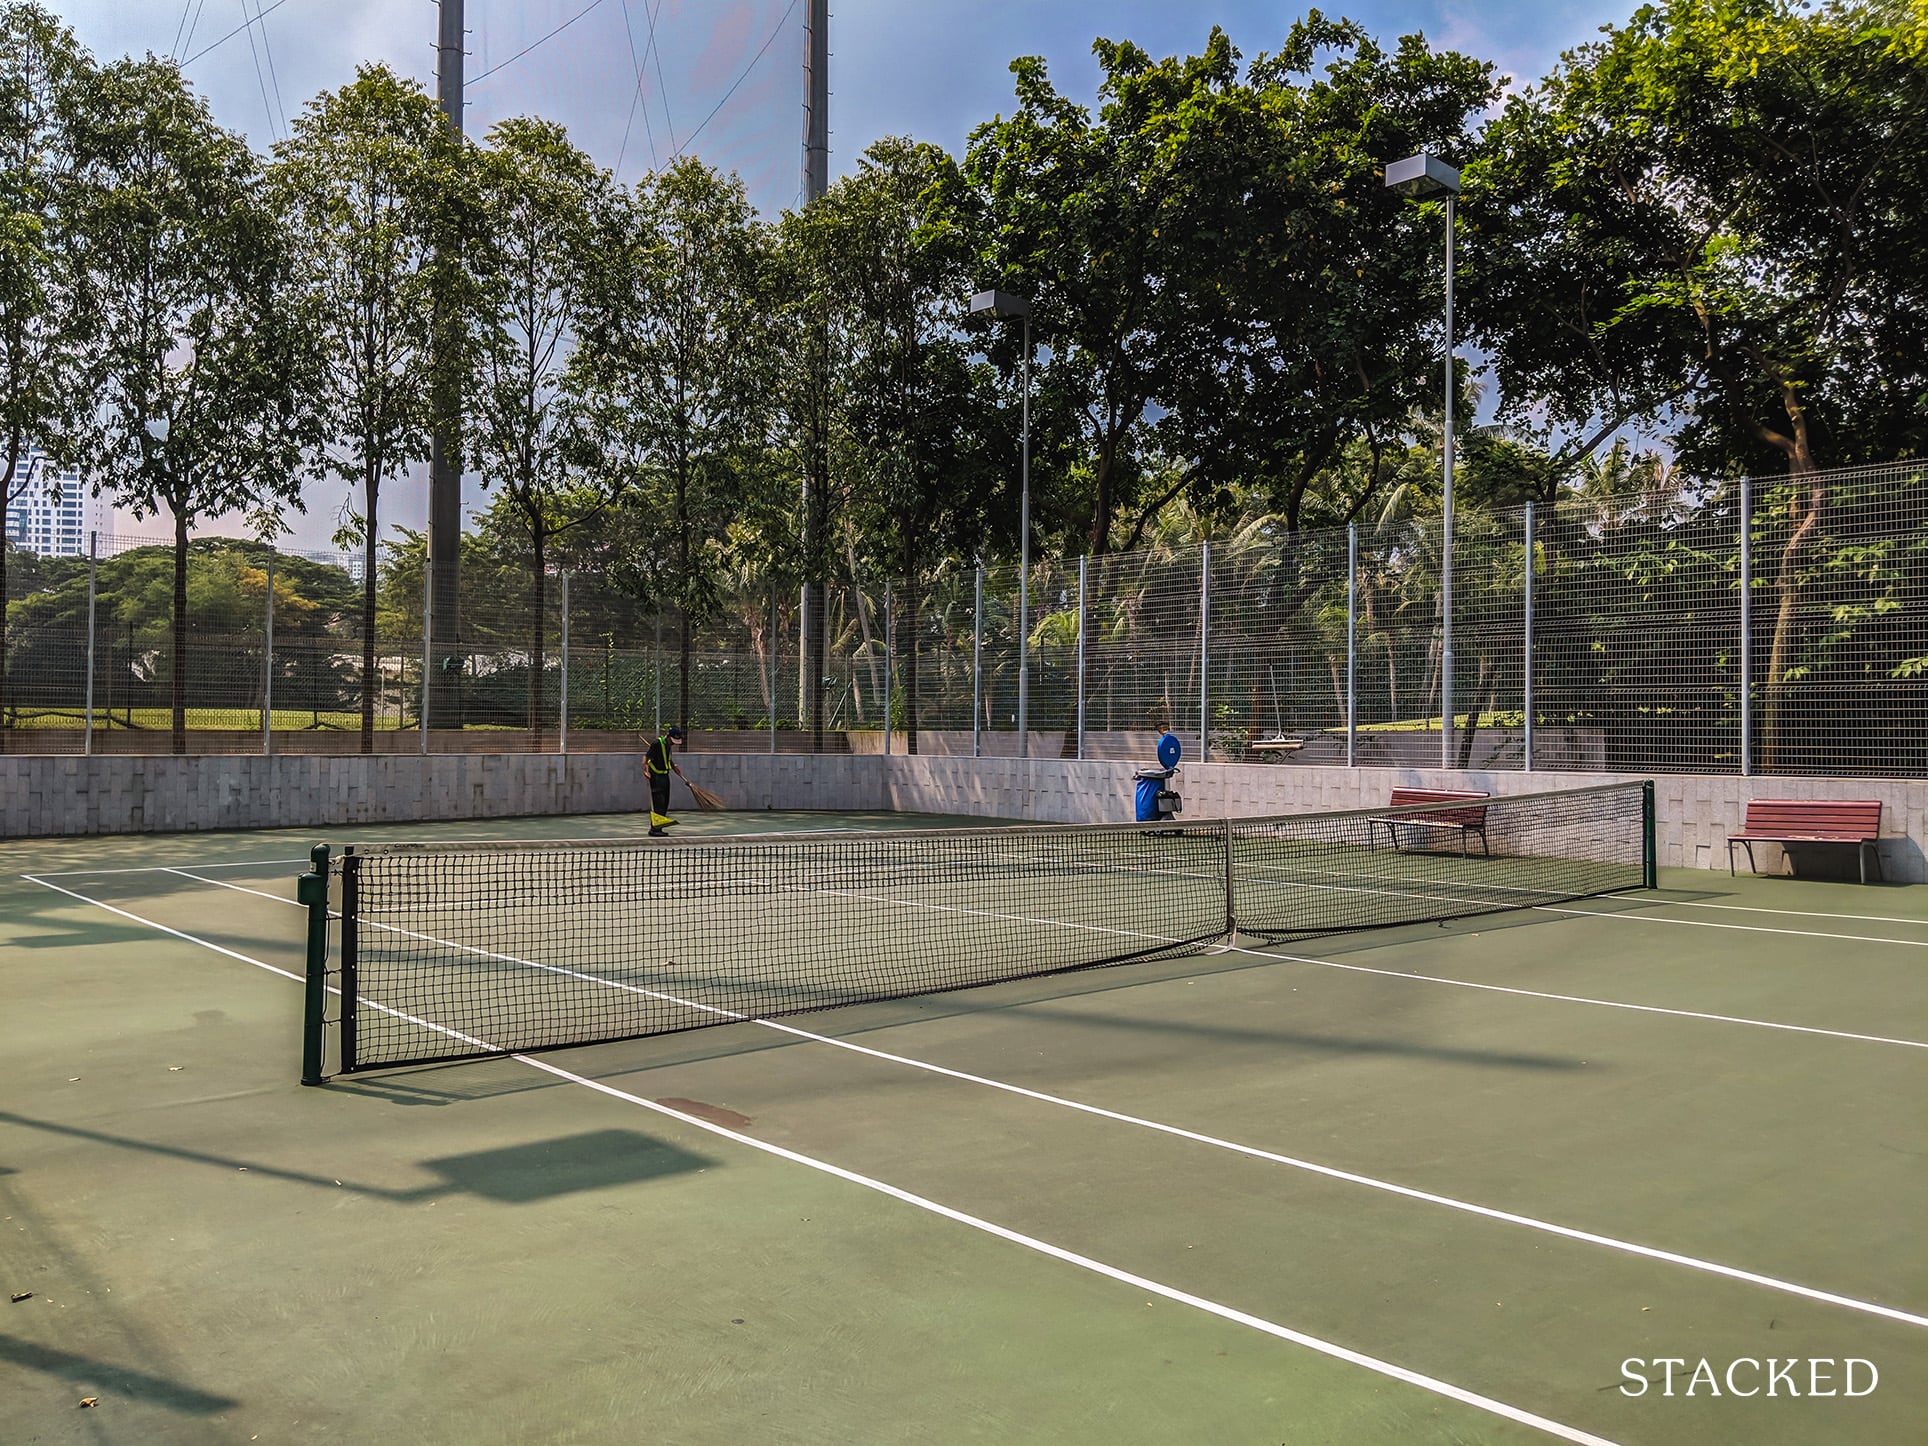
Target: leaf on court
x: 73, y: 1079
x: 175, y: 1068
x: 24, y: 1295
x: 86, y: 1401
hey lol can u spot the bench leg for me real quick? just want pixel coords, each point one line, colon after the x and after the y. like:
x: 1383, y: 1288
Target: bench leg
x: 1730, y: 858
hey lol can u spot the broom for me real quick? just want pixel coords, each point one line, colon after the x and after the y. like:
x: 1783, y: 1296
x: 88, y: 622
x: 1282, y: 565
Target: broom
x: 705, y: 800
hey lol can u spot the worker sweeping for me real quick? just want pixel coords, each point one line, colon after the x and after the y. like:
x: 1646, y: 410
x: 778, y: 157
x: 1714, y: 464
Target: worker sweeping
x: 659, y: 762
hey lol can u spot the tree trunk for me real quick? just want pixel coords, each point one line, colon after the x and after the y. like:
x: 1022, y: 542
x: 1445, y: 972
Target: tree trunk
x: 1787, y: 586
x: 180, y: 631
x: 371, y: 484
x: 536, y: 659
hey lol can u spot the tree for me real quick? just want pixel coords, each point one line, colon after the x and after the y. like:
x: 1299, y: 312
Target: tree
x: 529, y: 431
x: 1717, y: 209
x: 1309, y: 317
x: 374, y: 184
x: 43, y: 327
x: 919, y: 478
x: 675, y: 368
x: 200, y: 363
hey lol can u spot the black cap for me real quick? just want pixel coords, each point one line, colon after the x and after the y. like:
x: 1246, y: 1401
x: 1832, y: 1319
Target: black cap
x: 675, y: 732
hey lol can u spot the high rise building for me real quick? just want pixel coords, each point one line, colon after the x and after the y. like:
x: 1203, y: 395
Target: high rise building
x: 53, y: 513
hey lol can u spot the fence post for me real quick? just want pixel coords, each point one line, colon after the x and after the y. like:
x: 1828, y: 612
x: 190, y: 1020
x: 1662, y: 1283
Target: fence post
x: 267, y: 669
x: 1084, y: 569
x: 1747, y: 627
x: 1352, y: 645
x: 428, y: 646
x: 93, y: 557
x: 977, y: 667
x: 1526, y: 642
x: 563, y: 731
x: 774, y: 644
x: 890, y: 657
x: 656, y: 669
x: 1205, y: 653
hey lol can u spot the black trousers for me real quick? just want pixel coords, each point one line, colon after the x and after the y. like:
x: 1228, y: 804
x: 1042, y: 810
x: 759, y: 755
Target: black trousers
x: 659, y: 792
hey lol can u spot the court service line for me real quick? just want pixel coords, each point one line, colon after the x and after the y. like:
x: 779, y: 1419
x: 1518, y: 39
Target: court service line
x: 1797, y: 913
x: 168, y: 869
x: 1432, y: 1384
x: 1508, y: 1217
x: 1220, y: 948
x: 1639, y: 918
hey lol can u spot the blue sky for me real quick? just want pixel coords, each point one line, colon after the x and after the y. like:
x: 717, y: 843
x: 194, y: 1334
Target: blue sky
x: 728, y: 72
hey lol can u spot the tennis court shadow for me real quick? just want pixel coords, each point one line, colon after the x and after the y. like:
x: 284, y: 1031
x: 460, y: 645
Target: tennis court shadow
x: 544, y: 1169
x: 111, y: 1379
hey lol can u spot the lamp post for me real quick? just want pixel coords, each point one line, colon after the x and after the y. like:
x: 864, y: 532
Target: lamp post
x: 1005, y: 304
x: 1424, y: 176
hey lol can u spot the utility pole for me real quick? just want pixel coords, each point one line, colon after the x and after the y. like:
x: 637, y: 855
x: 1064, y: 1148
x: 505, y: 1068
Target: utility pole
x: 816, y: 478
x: 445, y: 451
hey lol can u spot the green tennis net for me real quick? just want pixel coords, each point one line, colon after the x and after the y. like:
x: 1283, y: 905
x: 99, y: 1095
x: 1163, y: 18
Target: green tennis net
x: 453, y: 951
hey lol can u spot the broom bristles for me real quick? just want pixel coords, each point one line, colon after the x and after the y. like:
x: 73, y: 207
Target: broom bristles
x: 706, y: 800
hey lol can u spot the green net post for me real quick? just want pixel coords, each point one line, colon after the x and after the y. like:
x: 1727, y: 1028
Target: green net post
x: 311, y: 890
x: 1648, y: 853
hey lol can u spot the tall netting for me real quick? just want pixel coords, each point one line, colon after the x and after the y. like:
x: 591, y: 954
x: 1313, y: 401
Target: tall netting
x: 1635, y: 647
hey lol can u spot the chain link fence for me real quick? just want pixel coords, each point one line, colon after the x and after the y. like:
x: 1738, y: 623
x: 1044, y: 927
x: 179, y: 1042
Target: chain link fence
x: 1775, y: 626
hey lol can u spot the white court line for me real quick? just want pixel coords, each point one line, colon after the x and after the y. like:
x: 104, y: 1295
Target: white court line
x: 1323, y: 1347
x: 168, y: 869
x: 1638, y: 918
x: 1801, y: 913
x: 1331, y: 1172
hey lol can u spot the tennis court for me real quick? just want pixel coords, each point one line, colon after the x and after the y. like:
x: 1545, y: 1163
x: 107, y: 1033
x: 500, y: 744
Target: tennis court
x: 1434, y: 1182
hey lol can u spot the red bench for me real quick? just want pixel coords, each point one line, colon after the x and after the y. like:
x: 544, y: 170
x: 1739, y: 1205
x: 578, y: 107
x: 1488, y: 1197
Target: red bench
x: 1465, y: 821
x: 1811, y: 820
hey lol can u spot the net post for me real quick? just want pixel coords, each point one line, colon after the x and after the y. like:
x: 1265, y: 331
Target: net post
x: 1231, y: 901
x: 350, y: 971
x: 311, y: 891
x: 1650, y: 862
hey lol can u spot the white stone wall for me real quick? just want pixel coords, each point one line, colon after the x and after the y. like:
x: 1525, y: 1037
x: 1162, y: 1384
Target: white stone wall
x: 42, y: 795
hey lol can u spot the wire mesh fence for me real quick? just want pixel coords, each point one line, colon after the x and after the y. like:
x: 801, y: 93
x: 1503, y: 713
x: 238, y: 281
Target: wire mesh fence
x: 1775, y: 626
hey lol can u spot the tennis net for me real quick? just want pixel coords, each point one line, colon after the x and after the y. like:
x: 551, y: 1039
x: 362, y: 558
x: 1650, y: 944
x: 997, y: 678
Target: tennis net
x: 455, y: 951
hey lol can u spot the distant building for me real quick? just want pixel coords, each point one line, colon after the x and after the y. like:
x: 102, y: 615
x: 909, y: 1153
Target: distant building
x: 352, y: 563
x: 53, y: 514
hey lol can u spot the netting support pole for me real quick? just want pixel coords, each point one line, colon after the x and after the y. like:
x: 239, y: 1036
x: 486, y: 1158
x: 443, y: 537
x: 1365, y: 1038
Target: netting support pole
x: 1084, y: 570
x: 311, y: 891
x: 890, y: 657
x: 1231, y: 903
x: 267, y: 669
x: 350, y: 959
x: 1526, y: 642
x: 93, y: 559
x: 1205, y: 653
x: 428, y: 643
x: 1352, y: 646
x: 774, y: 643
x: 562, y: 732
x: 1747, y: 628
x: 1650, y: 862
x: 977, y: 668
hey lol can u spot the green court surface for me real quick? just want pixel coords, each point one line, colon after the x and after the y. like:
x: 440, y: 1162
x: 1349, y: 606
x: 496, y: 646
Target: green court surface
x: 1431, y: 1184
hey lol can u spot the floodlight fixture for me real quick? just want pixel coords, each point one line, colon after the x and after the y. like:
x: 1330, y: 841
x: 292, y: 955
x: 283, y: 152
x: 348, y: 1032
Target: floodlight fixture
x: 1000, y: 303
x: 1423, y: 175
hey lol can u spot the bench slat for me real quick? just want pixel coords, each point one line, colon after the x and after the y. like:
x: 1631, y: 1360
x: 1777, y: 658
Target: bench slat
x: 1812, y: 820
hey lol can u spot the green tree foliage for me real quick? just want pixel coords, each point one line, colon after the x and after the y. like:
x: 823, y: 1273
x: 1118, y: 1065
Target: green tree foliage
x: 529, y: 431
x: 675, y: 366
x: 199, y: 361
x: 43, y: 318
x: 1718, y: 209
x: 375, y: 185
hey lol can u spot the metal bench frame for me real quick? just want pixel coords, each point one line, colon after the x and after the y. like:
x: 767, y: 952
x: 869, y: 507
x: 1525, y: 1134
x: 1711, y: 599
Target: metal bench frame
x: 1447, y: 802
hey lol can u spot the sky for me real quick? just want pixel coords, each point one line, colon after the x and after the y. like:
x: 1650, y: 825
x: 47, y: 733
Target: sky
x: 639, y: 81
